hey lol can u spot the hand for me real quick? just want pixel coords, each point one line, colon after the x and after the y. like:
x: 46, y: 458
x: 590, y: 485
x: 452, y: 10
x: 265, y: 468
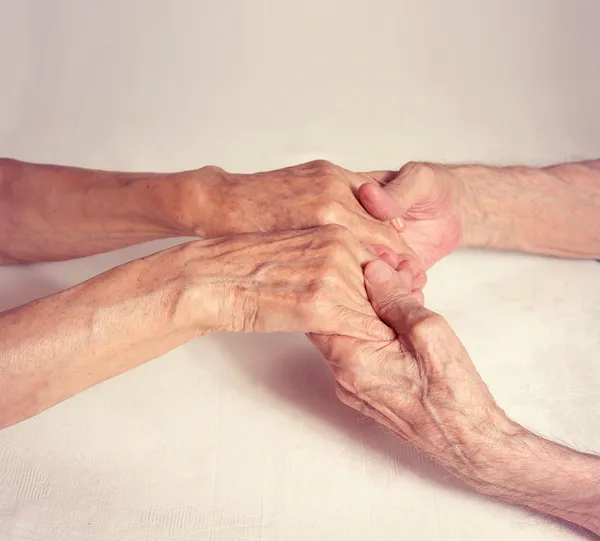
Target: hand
x: 296, y: 281
x: 424, y: 387
x: 427, y: 198
x: 299, y: 197
x: 422, y: 384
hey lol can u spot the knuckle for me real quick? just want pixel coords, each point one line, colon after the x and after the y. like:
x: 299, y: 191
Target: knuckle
x: 322, y: 166
x: 416, y: 169
x: 429, y: 328
x: 330, y: 212
x: 337, y: 234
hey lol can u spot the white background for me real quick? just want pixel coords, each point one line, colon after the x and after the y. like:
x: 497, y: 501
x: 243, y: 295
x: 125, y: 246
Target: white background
x: 241, y: 437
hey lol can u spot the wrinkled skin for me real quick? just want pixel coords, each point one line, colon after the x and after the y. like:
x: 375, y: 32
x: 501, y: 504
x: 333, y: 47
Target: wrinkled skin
x: 299, y: 197
x: 298, y: 281
x: 421, y: 384
x: 427, y: 198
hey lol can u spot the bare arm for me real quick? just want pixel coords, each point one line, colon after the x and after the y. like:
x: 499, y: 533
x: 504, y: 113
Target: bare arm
x: 552, y: 210
x: 57, y: 346
x: 524, y: 469
x: 50, y: 212
x: 289, y: 281
x: 425, y: 388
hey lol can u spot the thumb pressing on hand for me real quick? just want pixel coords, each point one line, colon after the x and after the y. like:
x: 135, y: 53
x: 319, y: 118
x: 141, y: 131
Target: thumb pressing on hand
x: 389, y: 199
x: 381, y: 204
x: 390, y: 294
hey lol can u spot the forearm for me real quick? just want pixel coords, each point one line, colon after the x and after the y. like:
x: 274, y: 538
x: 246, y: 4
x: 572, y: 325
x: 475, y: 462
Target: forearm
x: 503, y: 460
x: 53, y: 348
x: 52, y: 212
x: 519, y: 467
x: 553, y: 210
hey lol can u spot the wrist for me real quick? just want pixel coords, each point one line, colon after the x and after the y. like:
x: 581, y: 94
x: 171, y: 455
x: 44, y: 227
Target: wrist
x: 203, y: 301
x: 515, y: 465
x: 470, y: 205
x: 214, y: 296
x: 460, y: 199
x: 197, y: 203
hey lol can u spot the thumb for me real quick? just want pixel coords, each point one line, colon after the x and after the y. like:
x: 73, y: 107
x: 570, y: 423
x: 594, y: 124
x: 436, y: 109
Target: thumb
x: 390, y: 198
x: 390, y: 294
x: 379, y: 202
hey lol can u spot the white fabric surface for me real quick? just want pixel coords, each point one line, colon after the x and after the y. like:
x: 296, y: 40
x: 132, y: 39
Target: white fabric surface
x: 240, y: 437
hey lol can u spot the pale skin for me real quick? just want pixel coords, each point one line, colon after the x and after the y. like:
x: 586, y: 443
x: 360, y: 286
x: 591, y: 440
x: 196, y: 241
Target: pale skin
x: 303, y: 280
x: 424, y: 387
x: 287, y: 269
x: 551, y: 210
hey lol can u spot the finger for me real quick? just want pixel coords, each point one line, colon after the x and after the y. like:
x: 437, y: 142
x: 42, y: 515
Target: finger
x: 403, y: 188
x: 380, y: 204
x: 419, y: 278
x: 360, y: 255
x: 392, y: 258
x: 384, y: 238
x: 390, y: 293
x: 395, y: 260
x: 377, y: 232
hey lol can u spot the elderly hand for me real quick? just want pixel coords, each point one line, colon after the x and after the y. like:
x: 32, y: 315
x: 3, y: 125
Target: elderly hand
x: 308, y: 195
x: 422, y: 384
x: 428, y: 199
x: 298, y: 281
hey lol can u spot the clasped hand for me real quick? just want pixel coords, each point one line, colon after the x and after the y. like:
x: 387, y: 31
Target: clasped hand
x: 393, y: 359
x: 295, y: 260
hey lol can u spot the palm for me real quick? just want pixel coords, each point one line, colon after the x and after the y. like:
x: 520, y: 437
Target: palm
x: 427, y: 200
x: 432, y: 235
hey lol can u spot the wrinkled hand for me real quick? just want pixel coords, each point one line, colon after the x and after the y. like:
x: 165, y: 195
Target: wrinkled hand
x: 422, y: 384
x: 296, y: 281
x: 427, y: 198
x: 308, y: 195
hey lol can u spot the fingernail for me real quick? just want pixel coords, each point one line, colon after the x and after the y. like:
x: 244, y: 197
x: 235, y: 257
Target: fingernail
x: 397, y: 224
x: 406, y: 264
x: 380, y: 249
x: 379, y: 272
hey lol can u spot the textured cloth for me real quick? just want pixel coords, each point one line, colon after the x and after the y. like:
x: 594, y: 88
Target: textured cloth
x: 237, y: 437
